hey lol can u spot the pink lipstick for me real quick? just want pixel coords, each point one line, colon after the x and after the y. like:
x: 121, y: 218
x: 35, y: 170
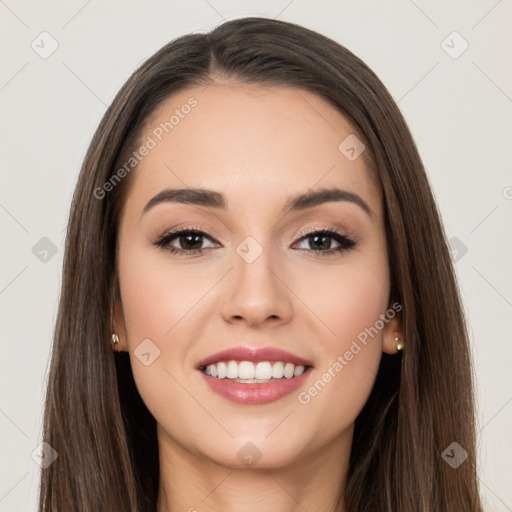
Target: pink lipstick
x: 247, y: 375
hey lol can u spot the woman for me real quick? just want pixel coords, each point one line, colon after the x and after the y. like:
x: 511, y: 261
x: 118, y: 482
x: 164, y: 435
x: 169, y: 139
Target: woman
x: 258, y: 306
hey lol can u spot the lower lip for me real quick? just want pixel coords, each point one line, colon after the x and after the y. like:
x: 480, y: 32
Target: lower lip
x: 255, y: 394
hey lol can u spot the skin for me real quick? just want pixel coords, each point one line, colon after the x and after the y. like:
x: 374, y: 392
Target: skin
x: 258, y: 146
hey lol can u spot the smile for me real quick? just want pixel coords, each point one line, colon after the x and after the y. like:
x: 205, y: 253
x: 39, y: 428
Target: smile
x: 248, y: 372
x: 254, y: 376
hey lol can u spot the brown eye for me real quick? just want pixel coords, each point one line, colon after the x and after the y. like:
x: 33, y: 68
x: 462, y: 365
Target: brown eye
x: 191, y: 241
x: 320, y: 242
x: 186, y: 241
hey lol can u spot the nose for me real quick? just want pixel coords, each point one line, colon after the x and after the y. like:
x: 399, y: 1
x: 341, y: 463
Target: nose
x: 257, y: 293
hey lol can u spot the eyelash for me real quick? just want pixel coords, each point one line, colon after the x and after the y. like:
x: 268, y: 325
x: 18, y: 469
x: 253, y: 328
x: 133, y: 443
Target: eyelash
x: 346, y: 242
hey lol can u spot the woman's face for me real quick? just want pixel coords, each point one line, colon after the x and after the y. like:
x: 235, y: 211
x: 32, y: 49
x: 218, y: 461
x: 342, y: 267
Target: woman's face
x: 255, y: 280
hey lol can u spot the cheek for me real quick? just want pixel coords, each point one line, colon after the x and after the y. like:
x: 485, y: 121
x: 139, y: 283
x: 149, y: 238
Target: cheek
x: 160, y: 301
x: 360, y: 299
x: 156, y: 294
x: 355, y: 298
x: 350, y: 298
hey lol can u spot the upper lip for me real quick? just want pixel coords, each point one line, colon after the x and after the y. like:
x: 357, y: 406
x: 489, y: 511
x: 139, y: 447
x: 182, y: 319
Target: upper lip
x: 254, y: 355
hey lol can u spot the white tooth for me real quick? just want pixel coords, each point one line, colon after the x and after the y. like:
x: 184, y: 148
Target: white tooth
x: 221, y: 370
x: 277, y: 370
x: 263, y: 371
x: 288, y: 370
x: 249, y: 372
x: 299, y: 370
x: 232, y: 370
x: 253, y: 381
x: 246, y: 370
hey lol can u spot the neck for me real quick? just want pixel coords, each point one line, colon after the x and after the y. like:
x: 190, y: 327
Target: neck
x: 193, y: 483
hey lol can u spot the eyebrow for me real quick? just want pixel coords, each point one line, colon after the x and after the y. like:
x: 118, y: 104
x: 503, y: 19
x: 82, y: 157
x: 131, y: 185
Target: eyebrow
x: 212, y: 199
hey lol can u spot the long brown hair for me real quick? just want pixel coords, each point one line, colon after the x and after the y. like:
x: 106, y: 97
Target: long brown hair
x: 423, y: 398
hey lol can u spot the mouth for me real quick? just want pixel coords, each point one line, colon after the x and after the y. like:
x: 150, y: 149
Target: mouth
x: 248, y: 372
x: 246, y: 375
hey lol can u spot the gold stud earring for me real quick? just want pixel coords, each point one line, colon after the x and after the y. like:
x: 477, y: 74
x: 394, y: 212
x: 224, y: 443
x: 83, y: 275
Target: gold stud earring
x: 399, y: 344
x: 115, y: 340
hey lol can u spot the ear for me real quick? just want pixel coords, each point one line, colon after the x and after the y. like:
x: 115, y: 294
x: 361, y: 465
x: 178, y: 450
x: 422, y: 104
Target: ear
x: 393, y: 329
x: 118, y: 323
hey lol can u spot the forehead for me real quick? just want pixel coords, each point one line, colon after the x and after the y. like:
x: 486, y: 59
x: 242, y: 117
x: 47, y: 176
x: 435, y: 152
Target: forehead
x: 251, y: 142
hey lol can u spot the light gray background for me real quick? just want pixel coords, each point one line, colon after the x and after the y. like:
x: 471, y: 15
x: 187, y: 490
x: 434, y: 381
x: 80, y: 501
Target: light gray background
x: 459, y: 110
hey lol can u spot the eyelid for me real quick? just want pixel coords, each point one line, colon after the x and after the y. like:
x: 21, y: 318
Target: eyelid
x: 347, y: 233
x: 187, y: 228
x: 174, y: 232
